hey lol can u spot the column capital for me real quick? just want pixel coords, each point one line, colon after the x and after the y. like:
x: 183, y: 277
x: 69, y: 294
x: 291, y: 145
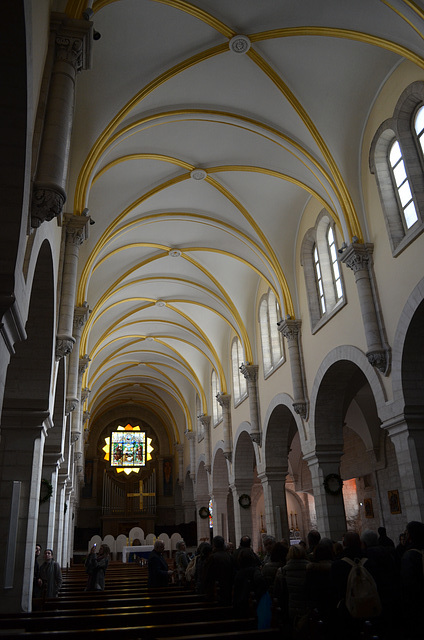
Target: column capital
x: 70, y: 405
x: 47, y: 203
x: 250, y: 371
x: 205, y: 420
x: 80, y: 317
x: 290, y: 328
x: 224, y: 399
x: 179, y: 448
x: 85, y: 393
x: 73, y: 40
x: 64, y: 346
x: 189, y: 434
x: 77, y: 228
x: 83, y: 364
x: 358, y: 257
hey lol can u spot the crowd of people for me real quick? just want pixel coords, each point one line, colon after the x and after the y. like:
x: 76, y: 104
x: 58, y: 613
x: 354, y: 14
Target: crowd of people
x: 303, y: 587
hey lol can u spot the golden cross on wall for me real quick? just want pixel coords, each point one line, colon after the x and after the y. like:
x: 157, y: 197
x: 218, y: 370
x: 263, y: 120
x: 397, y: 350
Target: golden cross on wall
x: 140, y: 495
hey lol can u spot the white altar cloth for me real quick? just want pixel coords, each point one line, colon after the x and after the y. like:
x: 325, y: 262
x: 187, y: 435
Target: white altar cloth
x: 144, y: 549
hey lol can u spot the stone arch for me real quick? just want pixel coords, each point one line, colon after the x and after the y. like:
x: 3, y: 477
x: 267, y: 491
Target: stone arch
x: 279, y: 430
x: 340, y: 377
x: 220, y: 491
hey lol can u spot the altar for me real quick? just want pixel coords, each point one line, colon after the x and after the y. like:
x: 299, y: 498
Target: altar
x: 143, y: 549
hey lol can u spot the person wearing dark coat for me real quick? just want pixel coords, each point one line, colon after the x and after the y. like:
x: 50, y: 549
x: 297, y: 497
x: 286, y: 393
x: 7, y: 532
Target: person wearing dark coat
x: 349, y: 628
x: 219, y: 573
x: 383, y: 538
x: 246, y: 543
x: 412, y: 580
x: 36, y: 588
x: 157, y: 567
x: 382, y: 566
x: 50, y: 575
x: 320, y: 589
x: 290, y: 586
x: 96, y: 565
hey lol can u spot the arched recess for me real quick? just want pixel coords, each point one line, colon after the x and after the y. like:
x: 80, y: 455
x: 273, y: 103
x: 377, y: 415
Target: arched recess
x: 220, y: 491
x: 15, y: 161
x: 349, y: 440
x: 279, y: 431
x: 245, y: 471
x: 202, y: 496
x: 25, y: 420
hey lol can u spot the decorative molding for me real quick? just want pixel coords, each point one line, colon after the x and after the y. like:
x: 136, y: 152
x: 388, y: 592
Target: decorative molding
x: 47, y: 203
x: 239, y: 44
x: 64, y: 346
x: 70, y: 405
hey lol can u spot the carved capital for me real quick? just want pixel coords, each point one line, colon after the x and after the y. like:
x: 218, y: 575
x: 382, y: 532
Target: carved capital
x: 205, y: 420
x: 379, y: 359
x: 256, y: 437
x: 80, y: 317
x: 83, y: 364
x: 78, y: 455
x: 290, y: 329
x: 85, y: 393
x: 77, y: 228
x: 64, y: 346
x: 189, y: 435
x: 179, y: 449
x: 47, y: 203
x: 70, y: 405
x: 75, y: 436
x: 358, y: 257
x: 301, y: 408
x: 224, y: 399
x: 85, y: 416
x: 228, y: 456
x: 70, y: 50
x: 250, y: 371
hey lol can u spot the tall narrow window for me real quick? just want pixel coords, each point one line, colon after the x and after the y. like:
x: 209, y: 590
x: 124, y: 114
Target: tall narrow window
x: 402, y: 185
x: 200, y: 428
x: 216, y: 407
x: 239, y: 381
x: 334, y: 263
x: 318, y: 277
x: 271, y: 339
x: 419, y: 128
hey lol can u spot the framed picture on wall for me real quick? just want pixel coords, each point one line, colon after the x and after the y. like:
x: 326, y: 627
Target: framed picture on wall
x: 369, y: 509
x: 394, y: 501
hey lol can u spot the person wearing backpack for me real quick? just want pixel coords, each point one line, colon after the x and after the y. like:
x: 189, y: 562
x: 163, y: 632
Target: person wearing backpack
x: 350, y: 625
x: 412, y: 580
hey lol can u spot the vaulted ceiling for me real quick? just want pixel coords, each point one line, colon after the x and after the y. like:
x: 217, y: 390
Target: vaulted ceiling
x: 196, y: 152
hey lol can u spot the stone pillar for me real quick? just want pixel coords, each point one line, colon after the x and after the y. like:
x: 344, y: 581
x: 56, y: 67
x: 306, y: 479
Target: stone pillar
x: 67, y: 526
x: 407, y: 434
x: 80, y: 318
x: 250, y: 372
x: 331, y: 518
x: 203, y: 530
x: 276, y: 517
x: 76, y: 231
x: 291, y: 331
x: 358, y: 257
x: 242, y: 516
x: 225, y: 401
x: 72, y: 54
x: 206, y: 424
x: 62, y: 482
x: 220, y: 517
x: 21, y: 459
x: 191, y: 437
x: 76, y: 418
x: 47, y: 511
x: 179, y: 448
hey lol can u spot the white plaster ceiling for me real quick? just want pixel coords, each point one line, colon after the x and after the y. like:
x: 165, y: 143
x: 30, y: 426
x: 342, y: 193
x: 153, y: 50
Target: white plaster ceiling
x: 271, y: 128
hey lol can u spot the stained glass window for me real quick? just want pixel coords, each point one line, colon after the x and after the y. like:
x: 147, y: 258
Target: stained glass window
x: 128, y: 449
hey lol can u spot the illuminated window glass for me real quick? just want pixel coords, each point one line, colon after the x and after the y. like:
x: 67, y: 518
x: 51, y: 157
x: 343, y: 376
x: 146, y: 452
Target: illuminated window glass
x: 128, y: 449
x: 318, y: 277
x: 239, y: 381
x: 216, y: 407
x: 271, y: 338
x: 337, y: 280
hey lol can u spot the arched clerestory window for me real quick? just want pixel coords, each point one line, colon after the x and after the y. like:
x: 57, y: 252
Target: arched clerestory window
x: 397, y: 161
x: 216, y: 407
x: 323, y: 276
x: 239, y: 381
x: 271, y: 338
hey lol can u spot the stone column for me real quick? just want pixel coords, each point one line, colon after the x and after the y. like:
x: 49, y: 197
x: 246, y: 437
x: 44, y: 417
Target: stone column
x: 331, y: 517
x: 47, y: 511
x: 76, y: 231
x: 80, y: 318
x: 290, y: 329
x: 358, y: 257
x: 276, y: 517
x: 179, y: 448
x: 76, y: 418
x: 242, y: 517
x: 67, y: 526
x: 220, y: 516
x: 203, y: 531
x: 206, y: 424
x: 72, y: 54
x: 250, y: 372
x: 191, y: 437
x: 62, y: 482
x: 21, y: 469
x: 408, y: 439
x: 225, y: 401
